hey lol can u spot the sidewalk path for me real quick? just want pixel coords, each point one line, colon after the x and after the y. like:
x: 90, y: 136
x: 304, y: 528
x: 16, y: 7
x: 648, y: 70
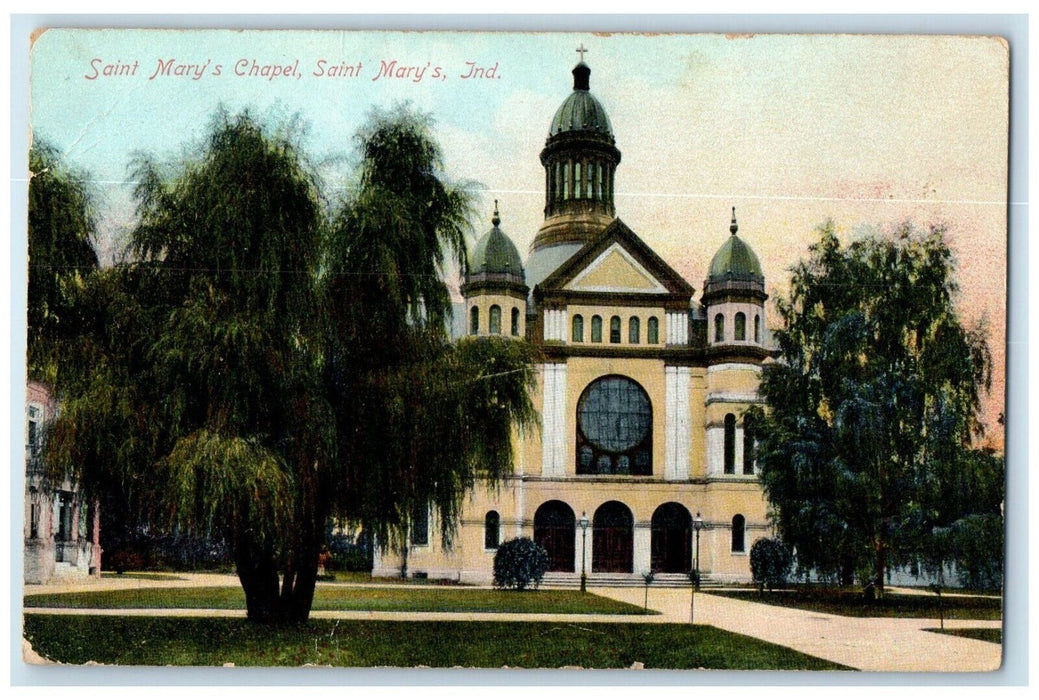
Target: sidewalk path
x: 868, y: 644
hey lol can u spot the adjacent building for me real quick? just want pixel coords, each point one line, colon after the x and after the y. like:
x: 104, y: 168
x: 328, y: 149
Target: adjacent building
x: 61, y: 528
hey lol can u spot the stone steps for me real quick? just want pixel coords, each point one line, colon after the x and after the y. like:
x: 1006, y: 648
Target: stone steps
x: 559, y: 579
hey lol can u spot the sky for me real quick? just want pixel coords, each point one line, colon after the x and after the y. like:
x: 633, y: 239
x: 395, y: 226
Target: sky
x: 792, y: 130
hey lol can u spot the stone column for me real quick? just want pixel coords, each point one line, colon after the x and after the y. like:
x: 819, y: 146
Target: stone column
x: 642, y: 558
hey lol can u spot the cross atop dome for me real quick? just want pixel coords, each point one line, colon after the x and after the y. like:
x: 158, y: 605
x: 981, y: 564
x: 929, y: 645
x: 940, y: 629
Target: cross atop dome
x: 581, y: 50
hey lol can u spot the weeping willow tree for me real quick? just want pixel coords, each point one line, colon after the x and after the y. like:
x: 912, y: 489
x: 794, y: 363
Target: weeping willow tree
x: 61, y: 229
x: 873, y: 408
x: 274, y: 371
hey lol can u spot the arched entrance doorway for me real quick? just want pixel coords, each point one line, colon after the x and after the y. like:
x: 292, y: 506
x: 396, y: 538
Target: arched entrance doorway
x: 554, y: 530
x: 671, y: 541
x: 612, y: 529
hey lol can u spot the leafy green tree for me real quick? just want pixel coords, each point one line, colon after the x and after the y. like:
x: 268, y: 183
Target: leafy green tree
x: 61, y: 231
x: 873, y: 406
x: 263, y: 373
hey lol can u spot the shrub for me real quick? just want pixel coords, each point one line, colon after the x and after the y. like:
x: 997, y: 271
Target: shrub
x: 769, y: 563
x: 519, y: 563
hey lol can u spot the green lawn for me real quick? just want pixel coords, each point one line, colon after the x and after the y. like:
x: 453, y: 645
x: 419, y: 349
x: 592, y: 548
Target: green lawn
x: 76, y: 639
x: 985, y: 634
x: 327, y: 597
x: 852, y: 603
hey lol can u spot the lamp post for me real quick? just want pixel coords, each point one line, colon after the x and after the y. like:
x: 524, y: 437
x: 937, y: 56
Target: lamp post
x: 697, y: 526
x: 584, y: 543
x: 694, y: 575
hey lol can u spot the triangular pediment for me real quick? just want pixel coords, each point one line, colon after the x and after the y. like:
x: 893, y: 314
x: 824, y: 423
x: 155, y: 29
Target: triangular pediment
x: 617, y: 262
x: 615, y: 270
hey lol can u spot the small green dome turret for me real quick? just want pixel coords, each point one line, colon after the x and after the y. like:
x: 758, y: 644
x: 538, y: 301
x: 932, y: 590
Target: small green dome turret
x: 495, y: 254
x: 735, y: 260
x: 735, y: 271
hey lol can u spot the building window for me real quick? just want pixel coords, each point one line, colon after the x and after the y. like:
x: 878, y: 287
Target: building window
x: 634, y: 330
x: 515, y: 321
x: 34, y: 520
x: 739, y: 525
x: 577, y: 329
x: 615, y: 329
x: 495, y: 324
x: 33, y: 438
x: 652, y: 330
x: 741, y: 326
x: 420, y: 526
x: 491, y: 530
x: 614, y: 428
x: 566, y: 180
x: 474, y: 320
x: 596, y: 329
x: 757, y: 328
x: 730, y: 443
x: 719, y: 328
x: 748, y: 445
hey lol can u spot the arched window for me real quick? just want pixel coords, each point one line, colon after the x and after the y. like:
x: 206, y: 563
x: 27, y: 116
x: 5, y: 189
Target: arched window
x: 566, y: 180
x: 577, y: 329
x: 730, y: 443
x: 420, y: 526
x: 474, y: 320
x: 652, y: 330
x: 578, y: 189
x: 615, y: 329
x: 741, y: 326
x: 739, y: 526
x: 495, y: 325
x: 614, y: 428
x: 748, y: 445
x: 491, y: 530
x: 757, y: 328
x: 719, y: 328
x: 515, y: 321
x: 634, y: 330
x: 559, y: 180
x: 596, y: 329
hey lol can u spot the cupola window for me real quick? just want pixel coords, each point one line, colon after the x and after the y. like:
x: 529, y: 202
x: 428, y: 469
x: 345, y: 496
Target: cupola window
x: 515, y: 320
x: 474, y: 320
x: 719, y: 328
x: 495, y: 322
x: 740, y: 328
x: 757, y: 328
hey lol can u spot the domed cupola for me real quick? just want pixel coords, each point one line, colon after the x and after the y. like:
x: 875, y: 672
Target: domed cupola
x: 580, y: 160
x: 493, y: 288
x: 495, y: 256
x: 734, y: 293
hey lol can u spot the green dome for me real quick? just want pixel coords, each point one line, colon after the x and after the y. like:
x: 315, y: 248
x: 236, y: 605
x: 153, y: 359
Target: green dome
x: 495, y: 253
x: 580, y: 111
x: 735, y: 260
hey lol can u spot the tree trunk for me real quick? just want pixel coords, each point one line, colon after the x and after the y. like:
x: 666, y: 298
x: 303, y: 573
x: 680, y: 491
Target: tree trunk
x: 879, y: 568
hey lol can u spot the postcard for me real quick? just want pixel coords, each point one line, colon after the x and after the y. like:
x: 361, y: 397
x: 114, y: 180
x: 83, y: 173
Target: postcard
x: 530, y: 350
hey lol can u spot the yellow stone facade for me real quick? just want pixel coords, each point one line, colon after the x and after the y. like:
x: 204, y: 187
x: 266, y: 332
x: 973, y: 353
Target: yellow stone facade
x: 641, y: 431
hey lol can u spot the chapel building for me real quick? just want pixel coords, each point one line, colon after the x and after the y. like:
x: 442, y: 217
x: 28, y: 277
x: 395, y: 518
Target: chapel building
x: 643, y: 441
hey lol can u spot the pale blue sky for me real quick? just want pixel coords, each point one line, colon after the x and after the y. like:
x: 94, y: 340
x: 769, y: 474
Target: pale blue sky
x: 790, y: 129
